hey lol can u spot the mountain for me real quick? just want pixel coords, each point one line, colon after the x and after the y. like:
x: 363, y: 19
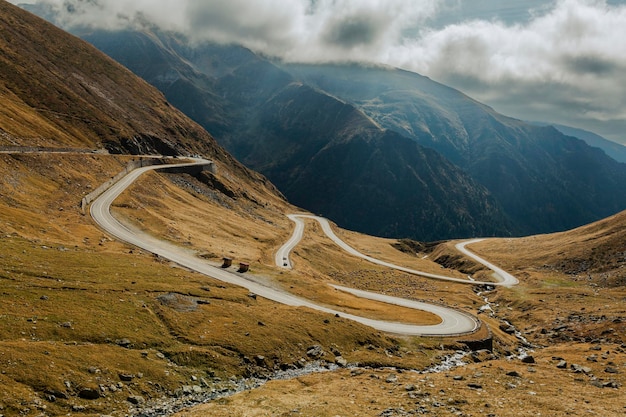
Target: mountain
x: 594, y: 251
x: 544, y: 180
x: 92, y: 326
x: 615, y: 150
x: 324, y: 154
x: 538, y: 179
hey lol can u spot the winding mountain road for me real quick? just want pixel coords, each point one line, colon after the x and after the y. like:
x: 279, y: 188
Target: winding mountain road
x: 282, y: 255
x: 452, y: 321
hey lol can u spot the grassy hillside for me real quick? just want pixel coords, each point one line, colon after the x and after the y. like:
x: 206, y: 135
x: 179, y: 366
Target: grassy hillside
x: 83, y: 316
x: 91, y: 326
x: 83, y: 309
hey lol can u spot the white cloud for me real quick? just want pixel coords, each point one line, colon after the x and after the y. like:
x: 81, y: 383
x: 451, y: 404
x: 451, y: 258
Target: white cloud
x: 568, y: 65
x: 300, y: 29
x: 564, y: 61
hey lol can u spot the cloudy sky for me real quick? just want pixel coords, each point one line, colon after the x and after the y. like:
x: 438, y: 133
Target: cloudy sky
x: 561, y: 61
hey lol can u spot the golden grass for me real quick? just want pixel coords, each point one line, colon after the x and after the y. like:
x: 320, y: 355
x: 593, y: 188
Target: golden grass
x: 600, y: 245
x: 26, y: 127
x: 70, y: 297
x: 540, y: 389
x: 69, y: 293
x: 218, y: 232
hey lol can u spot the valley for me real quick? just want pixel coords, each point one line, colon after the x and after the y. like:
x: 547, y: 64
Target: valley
x: 453, y: 323
x: 117, y: 303
x: 577, y: 317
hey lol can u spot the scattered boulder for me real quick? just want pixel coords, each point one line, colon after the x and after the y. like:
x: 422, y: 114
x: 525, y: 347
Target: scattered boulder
x: 562, y: 364
x: 580, y: 369
x: 341, y: 361
x: 178, y: 302
x: 474, y: 385
x: 126, y: 377
x: 482, y: 356
x: 315, y: 352
x: 186, y: 390
x: 528, y: 359
x: 136, y: 399
x: 507, y: 328
x: 287, y: 366
x: 604, y: 384
x: 123, y: 343
x: 391, y: 379
x: 56, y: 394
x: 89, y: 394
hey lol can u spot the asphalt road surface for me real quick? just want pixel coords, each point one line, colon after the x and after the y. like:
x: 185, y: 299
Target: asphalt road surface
x: 452, y: 321
x: 282, y: 256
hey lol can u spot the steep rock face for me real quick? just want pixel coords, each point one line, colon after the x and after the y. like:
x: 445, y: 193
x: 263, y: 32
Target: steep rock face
x: 409, y: 188
x: 322, y: 153
x: 544, y: 180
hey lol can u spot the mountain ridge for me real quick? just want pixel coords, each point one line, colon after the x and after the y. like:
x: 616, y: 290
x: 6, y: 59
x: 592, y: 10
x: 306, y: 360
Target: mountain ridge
x: 615, y: 150
x: 523, y: 166
x: 256, y: 92
x: 69, y: 94
x: 538, y: 179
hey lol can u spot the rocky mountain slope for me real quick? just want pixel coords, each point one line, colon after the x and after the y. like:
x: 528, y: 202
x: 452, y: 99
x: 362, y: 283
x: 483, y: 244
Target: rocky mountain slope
x: 324, y: 154
x: 275, y: 118
x: 90, y: 325
x: 544, y: 180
